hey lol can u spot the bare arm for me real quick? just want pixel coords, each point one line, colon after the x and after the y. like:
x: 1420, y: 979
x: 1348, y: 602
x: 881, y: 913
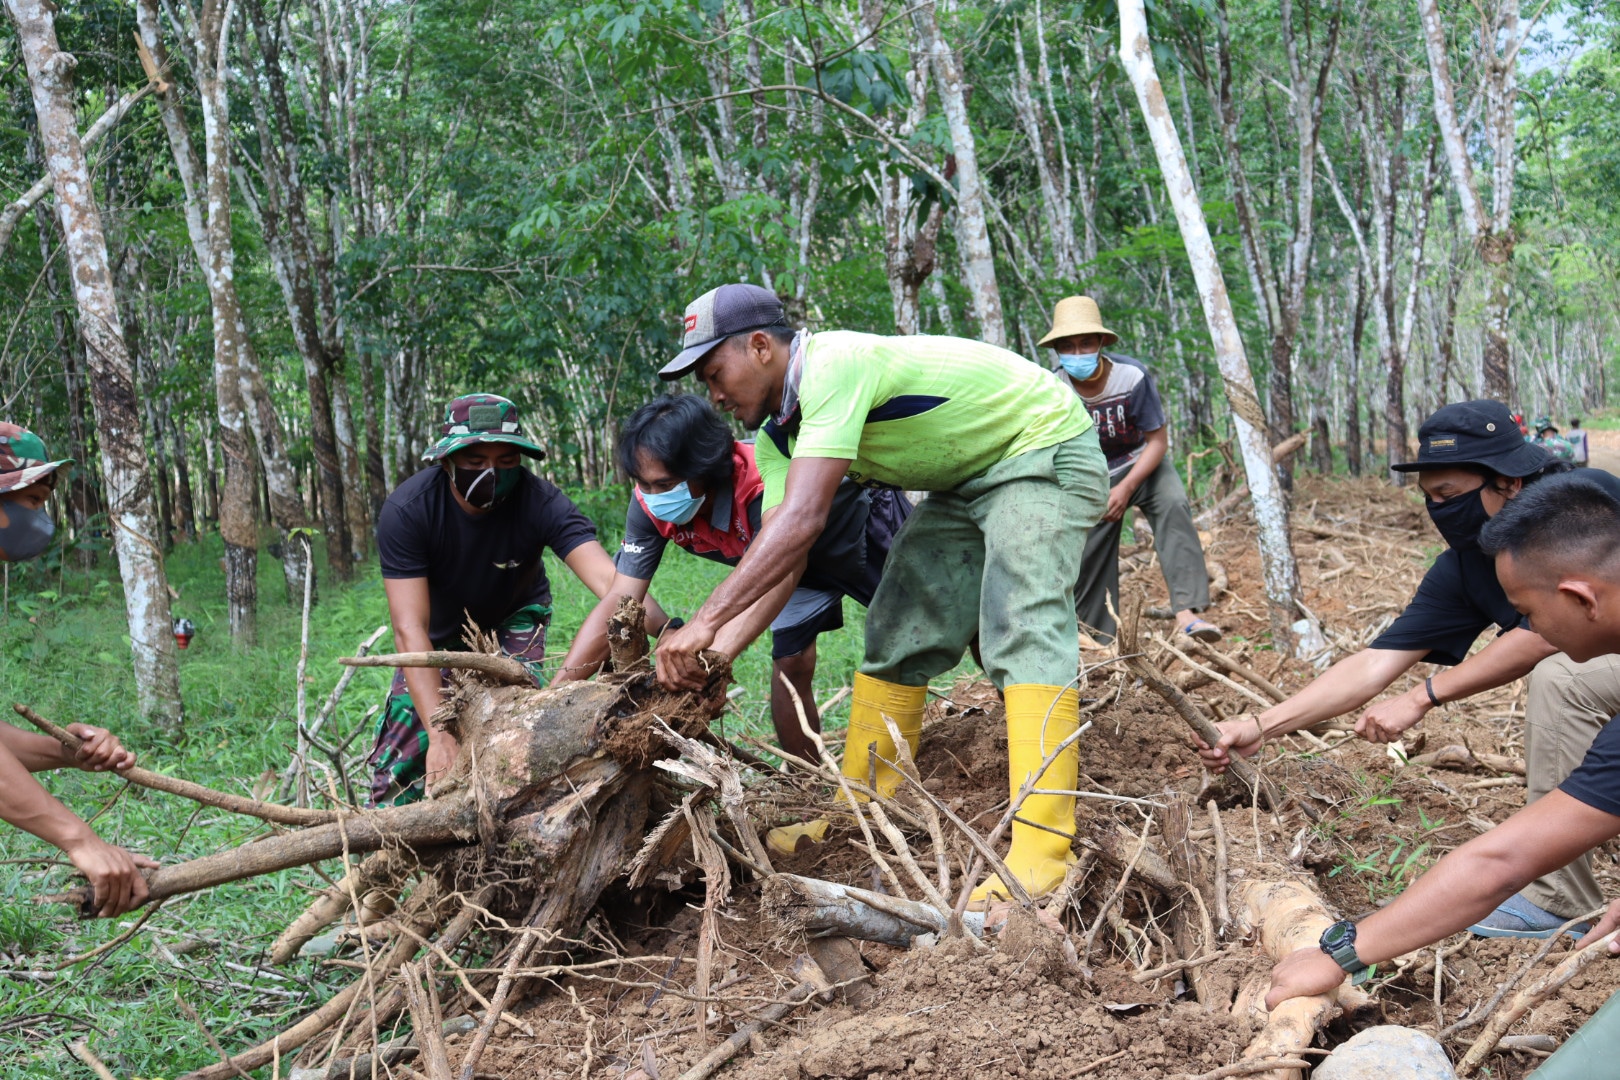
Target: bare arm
x: 1347, y: 685
x: 99, y: 749
x: 594, y: 567
x: 113, y: 872
x: 1461, y: 889
x: 590, y: 647
x: 409, y: 609
x: 1509, y: 657
x: 776, y: 553
x: 1121, y: 494
x: 743, y: 630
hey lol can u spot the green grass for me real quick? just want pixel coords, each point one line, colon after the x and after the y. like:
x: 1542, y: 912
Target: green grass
x: 64, y: 649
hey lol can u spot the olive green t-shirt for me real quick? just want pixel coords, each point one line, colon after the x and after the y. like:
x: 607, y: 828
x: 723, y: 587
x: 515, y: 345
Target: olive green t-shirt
x: 920, y: 413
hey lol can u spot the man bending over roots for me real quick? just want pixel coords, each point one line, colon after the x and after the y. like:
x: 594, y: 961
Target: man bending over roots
x: 27, y: 478
x: 1014, y: 476
x: 1557, y: 555
x: 1472, y: 463
x: 698, y: 488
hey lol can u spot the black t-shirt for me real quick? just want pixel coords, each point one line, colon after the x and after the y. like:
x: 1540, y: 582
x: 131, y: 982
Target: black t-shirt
x: 1596, y: 782
x: 485, y: 567
x: 837, y: 559
x: 1458, y: 599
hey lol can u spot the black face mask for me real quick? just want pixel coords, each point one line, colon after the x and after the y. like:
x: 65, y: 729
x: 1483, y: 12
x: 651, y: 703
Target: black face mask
x: 483, y: 488
x: 1460, y: 518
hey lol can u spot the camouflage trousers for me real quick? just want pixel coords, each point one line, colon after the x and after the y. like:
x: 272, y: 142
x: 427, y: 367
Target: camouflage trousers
x: 398, y: 759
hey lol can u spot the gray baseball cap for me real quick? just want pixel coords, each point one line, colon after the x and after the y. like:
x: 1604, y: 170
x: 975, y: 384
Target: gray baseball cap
x: 719, y: 314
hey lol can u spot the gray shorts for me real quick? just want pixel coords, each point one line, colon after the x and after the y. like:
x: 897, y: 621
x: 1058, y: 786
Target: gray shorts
x: 809, y: 612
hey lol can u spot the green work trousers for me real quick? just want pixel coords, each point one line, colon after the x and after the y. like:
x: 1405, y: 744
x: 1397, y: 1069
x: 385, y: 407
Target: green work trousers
x: 997, y: 556
x: 1591, y: 1052
x: 1181, y: 557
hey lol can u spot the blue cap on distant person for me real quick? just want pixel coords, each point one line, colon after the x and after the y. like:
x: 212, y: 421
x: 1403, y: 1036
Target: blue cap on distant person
x: 719, y: 314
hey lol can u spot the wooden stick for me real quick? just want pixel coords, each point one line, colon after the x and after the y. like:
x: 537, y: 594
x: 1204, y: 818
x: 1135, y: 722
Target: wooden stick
x: 220, y: 800
x: 503, y: 668
x: 1223, y: 911
x: 740, y: 1038
x: 1221, y: 660
x: 1214, y: 675
x: 1188, y: 709
x: 1249, y: 1068
x: 82, y: 1051
x: 1529, y: 998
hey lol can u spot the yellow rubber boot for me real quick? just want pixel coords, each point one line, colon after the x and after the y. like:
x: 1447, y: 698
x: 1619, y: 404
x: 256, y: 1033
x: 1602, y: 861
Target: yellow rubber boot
x: 872, y: 700
x: 1038, y: 719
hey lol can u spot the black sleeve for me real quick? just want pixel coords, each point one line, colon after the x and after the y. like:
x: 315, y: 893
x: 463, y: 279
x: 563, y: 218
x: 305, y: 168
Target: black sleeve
x: 565, y: 525
x: 643, y: 547
x: 401, y: 541
x: 1597, y: 781
x: 1441, y: 618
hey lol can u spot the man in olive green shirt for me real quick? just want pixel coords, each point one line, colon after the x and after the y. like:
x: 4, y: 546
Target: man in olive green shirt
x: 1015, y: 475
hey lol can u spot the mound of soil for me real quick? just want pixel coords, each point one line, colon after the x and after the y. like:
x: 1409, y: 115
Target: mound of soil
x: 1024, y: 1004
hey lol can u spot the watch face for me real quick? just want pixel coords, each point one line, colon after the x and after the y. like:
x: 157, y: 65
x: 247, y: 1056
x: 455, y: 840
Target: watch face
x: 1340, y: 933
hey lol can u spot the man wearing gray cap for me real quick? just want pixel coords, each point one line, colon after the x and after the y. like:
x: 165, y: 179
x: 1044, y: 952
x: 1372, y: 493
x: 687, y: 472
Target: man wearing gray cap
x: 1014, y: 472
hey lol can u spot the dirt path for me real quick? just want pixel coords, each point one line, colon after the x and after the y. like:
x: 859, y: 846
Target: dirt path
x: 1604, y: 447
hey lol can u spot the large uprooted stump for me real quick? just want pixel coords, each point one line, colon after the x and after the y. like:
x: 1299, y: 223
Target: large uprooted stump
x: 545, y: 804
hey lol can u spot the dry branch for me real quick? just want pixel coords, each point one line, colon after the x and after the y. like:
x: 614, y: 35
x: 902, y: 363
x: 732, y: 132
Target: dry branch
x: 501, y: 668
x: 740, y: 1038
x: 1529, y: 998
x: 1221, y: 660
x: 383, y: 872
x: 220, y: 800
x: 1464, y: 759
x: 825, y: 908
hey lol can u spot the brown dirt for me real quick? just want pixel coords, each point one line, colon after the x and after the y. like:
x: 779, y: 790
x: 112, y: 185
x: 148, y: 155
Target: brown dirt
x: 1018, y: 1006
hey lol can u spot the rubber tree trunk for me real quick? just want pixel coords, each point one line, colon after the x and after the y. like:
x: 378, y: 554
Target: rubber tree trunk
x: 125, y: 467
x: 972, y: 232
x: 1265, y: 490
x: 1491, y: 231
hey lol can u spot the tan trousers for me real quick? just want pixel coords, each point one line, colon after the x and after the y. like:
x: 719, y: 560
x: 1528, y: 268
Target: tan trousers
x: 1568, y: 705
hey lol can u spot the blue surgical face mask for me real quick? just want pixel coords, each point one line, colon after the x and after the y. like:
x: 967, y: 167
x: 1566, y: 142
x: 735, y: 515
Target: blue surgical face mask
x: 24, y: 531
x: 677, y: 505
x: 1080, y: 366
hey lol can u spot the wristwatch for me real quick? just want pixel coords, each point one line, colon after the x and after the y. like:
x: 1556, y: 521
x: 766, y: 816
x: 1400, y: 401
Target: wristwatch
x: 1339, y: 942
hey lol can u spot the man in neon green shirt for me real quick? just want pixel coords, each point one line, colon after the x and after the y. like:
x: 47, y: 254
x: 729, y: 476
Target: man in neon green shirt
x: 1015, y: 478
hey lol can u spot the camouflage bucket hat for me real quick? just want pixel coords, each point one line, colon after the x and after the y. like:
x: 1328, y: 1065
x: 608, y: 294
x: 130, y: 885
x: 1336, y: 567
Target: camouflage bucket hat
x: 23, y: 458
x: 481, y: 418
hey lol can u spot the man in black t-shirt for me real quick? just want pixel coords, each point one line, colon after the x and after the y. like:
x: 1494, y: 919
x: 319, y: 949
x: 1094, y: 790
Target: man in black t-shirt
x: 1472, y: 462
x: 698, y: 488
x: 1558, y: 558
x: 460, y: 543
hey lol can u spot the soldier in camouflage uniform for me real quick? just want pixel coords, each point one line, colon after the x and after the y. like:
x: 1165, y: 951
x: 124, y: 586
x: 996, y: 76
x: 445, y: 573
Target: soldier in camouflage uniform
x: 27, y: 478
x: 460, y: 544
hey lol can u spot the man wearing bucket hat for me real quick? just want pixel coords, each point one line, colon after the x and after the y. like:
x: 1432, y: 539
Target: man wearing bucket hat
x: 460, y: 543
x: 1012, y: 468
x: 1472, y: 462
x: 1125, y: 407
x: 27, y: 478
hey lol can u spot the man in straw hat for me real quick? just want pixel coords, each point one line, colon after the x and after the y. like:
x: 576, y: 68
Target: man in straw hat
x: 1013, y: 471
x: 460, y: 543
x: 1124, y: 405
x: 27, y: 478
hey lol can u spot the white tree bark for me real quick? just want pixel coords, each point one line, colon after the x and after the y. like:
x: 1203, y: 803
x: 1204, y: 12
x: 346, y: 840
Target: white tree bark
x: 1265, y: 489
x: 124, y: 463
x: 972, y: 230
x: 1501, y: 37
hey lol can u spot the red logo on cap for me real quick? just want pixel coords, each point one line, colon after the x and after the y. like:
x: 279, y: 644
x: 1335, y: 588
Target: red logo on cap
x: 691, y: 323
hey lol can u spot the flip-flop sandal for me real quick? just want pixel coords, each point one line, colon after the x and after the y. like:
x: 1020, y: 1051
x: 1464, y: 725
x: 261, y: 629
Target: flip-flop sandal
x: 1202, y: 630
x: 1517, y: 917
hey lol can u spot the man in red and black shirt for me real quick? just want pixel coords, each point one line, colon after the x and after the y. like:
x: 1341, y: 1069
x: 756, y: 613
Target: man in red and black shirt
x: 698, y: 488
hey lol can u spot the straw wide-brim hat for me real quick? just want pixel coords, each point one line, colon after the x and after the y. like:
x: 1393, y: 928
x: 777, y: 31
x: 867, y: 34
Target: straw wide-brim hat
x: 1076, y: 315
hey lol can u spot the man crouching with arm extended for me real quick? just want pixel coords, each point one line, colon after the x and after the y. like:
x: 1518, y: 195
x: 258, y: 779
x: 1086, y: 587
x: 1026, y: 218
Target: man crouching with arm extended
x: 1557, y: 550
